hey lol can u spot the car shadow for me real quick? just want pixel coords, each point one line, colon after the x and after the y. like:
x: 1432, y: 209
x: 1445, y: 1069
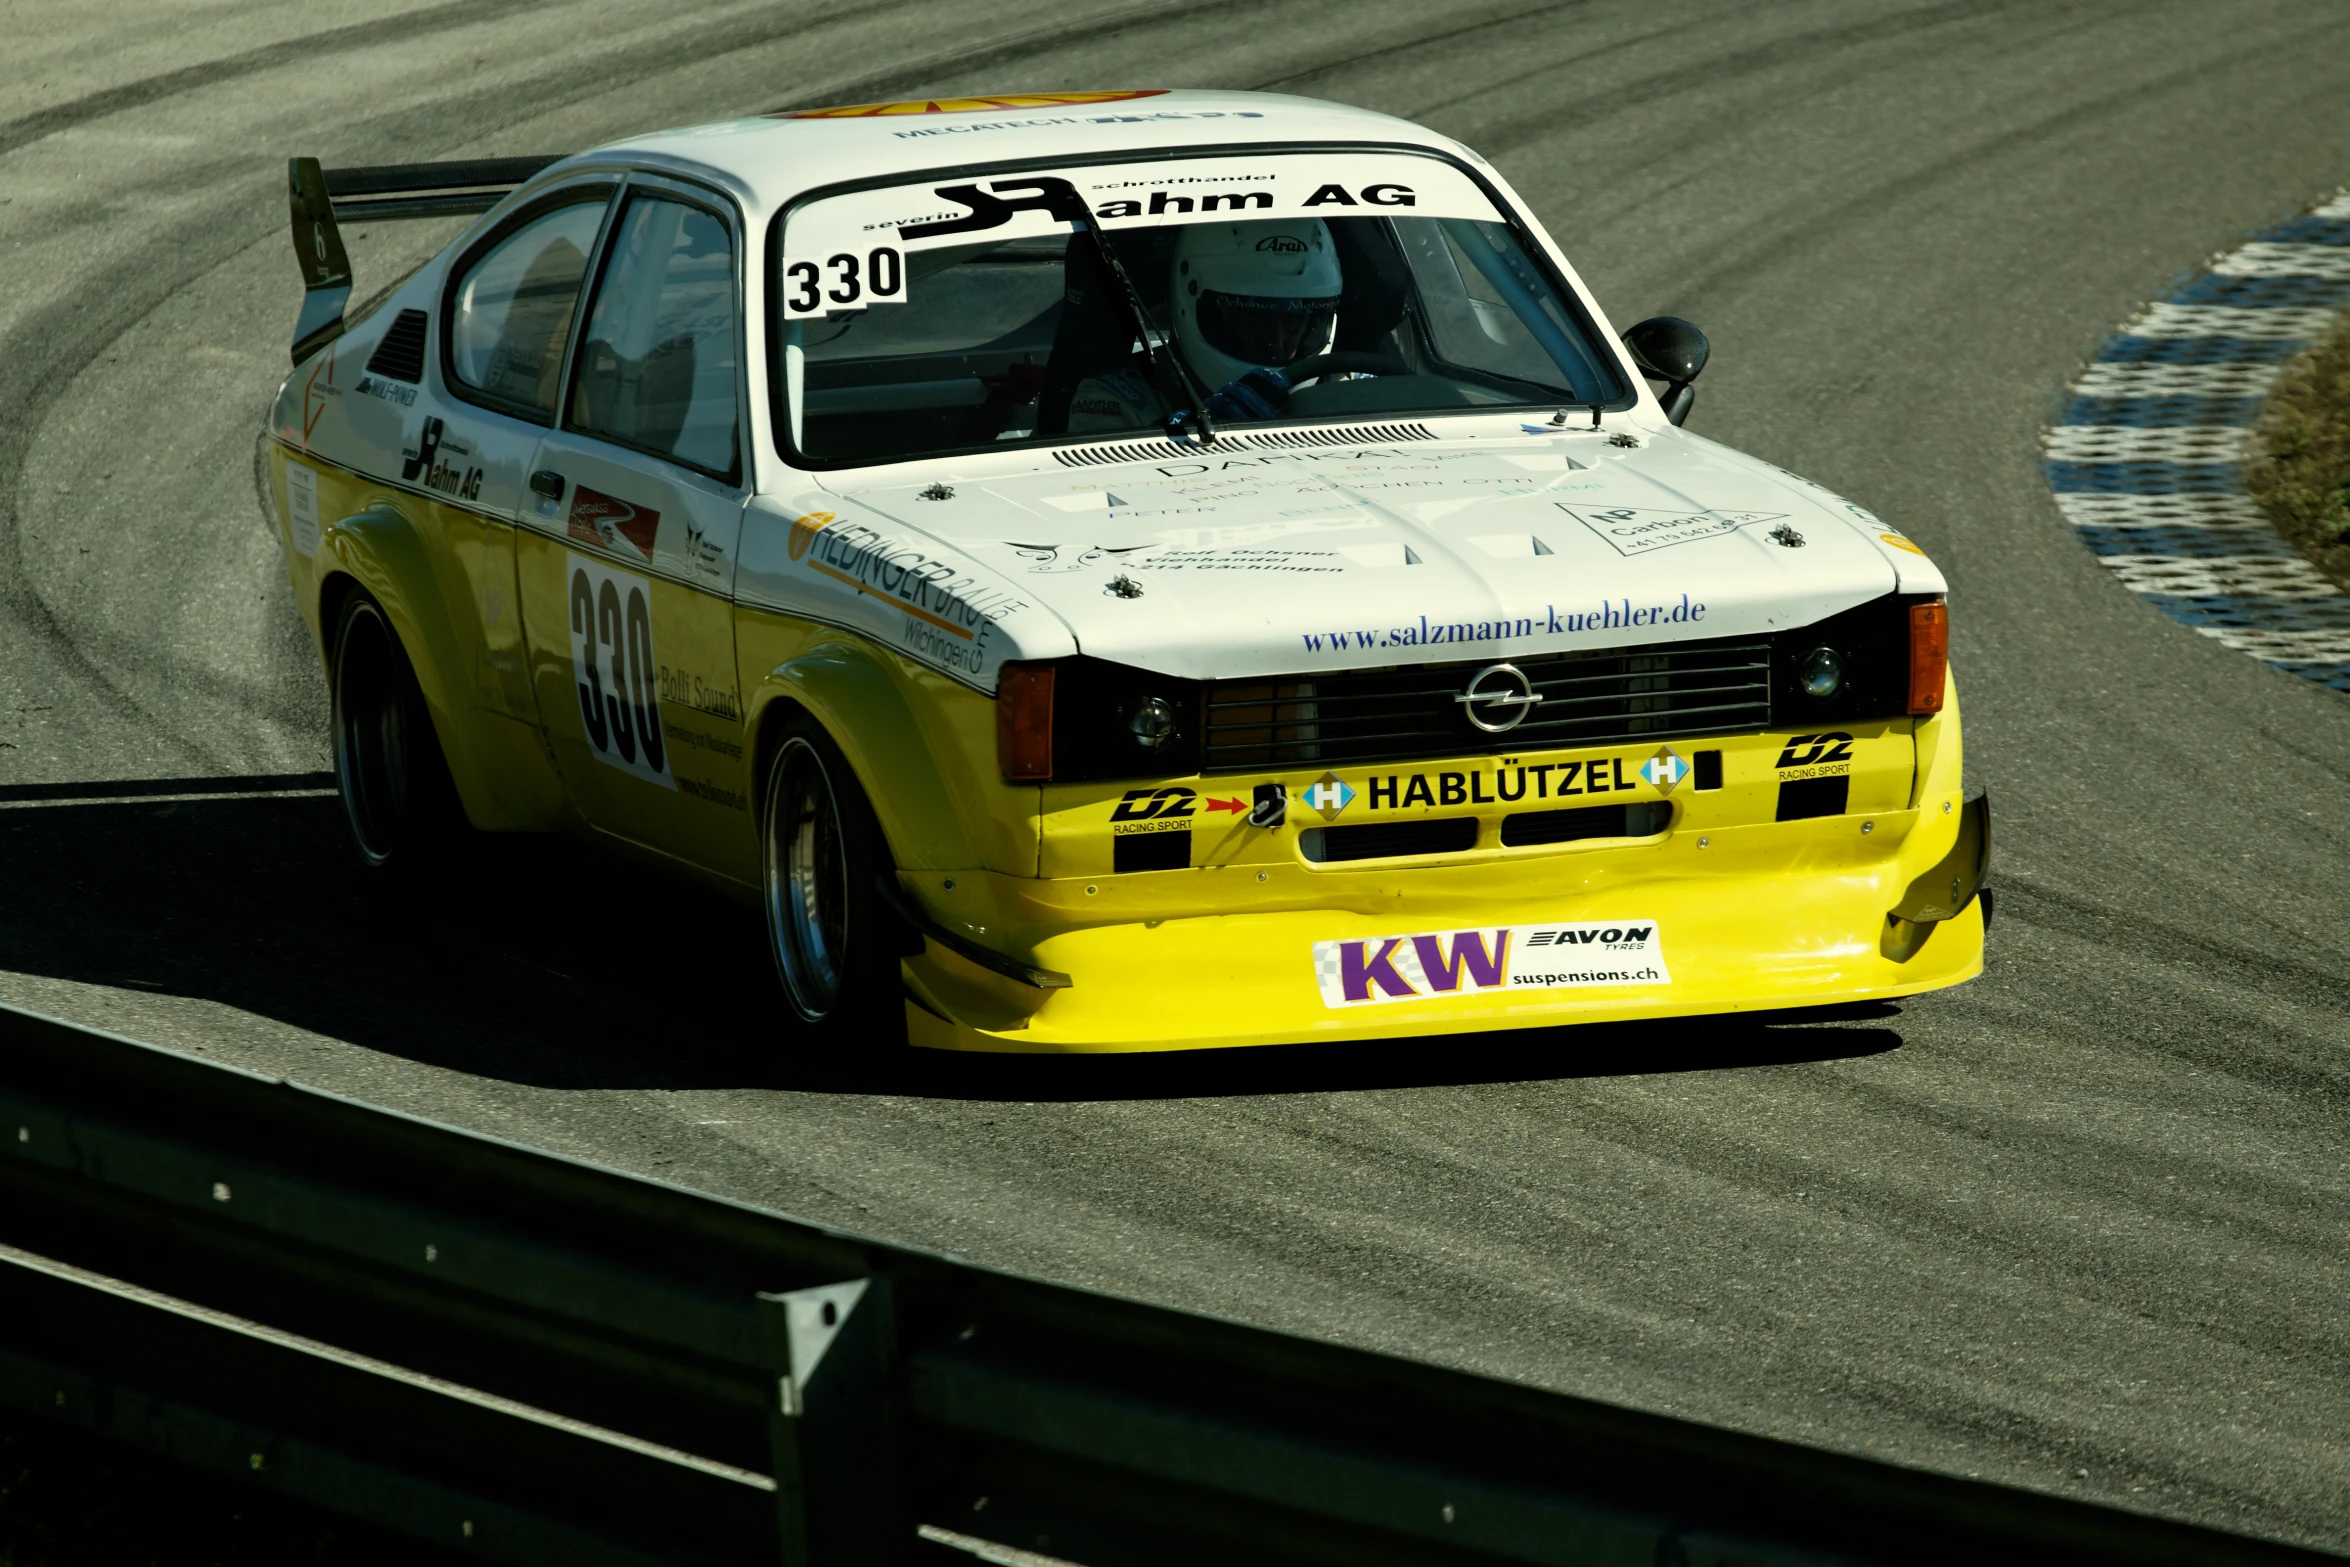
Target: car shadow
x: 546, y: 963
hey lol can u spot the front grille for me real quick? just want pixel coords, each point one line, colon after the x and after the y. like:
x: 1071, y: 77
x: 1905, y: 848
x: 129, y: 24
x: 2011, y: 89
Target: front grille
x: 1618, y: 696
x: 1389, y: 840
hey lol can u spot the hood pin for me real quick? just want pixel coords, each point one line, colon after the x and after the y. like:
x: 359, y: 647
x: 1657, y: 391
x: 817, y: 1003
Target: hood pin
x: 939, y: 492
x: 1123, y: 587
x: 1787, y: 536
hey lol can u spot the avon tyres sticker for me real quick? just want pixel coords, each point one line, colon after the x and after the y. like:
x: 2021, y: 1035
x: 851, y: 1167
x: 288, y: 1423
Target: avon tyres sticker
x: 614, y: 668
x: 1489, y: 961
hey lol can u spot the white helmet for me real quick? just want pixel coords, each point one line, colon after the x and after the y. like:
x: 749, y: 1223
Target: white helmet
x: 1250, y: 294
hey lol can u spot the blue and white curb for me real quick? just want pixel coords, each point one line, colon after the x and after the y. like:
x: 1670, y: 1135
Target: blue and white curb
x: 2148, y: 460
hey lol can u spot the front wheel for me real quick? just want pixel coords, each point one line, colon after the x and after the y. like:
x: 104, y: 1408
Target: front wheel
x: 836, y: 944
x: 397, y: 799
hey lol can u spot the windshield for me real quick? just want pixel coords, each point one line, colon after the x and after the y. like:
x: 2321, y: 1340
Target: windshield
x: 948, y: 315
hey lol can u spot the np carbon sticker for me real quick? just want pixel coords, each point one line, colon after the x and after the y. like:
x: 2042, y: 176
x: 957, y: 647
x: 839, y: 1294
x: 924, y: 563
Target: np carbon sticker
x: 1588, y: 954
x: 614, y: 667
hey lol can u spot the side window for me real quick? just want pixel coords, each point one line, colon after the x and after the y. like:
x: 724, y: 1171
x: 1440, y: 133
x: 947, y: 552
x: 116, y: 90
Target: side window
x: 512, y: 306
x: 657, y: 364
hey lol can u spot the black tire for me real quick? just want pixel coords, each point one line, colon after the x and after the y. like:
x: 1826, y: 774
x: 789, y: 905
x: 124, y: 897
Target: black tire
x: 836, y: 943
x: 397, y: 798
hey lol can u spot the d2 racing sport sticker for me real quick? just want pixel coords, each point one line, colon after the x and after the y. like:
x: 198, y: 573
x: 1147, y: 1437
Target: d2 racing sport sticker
x: 619, y: 678
x: 1577, y: 956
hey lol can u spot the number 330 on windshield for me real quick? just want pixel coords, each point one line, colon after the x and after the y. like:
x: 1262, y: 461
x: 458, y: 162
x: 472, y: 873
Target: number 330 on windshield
x: 844, y: 280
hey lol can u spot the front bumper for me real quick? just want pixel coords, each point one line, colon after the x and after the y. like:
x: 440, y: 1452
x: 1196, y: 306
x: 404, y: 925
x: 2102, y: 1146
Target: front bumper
x: 1706, y: 916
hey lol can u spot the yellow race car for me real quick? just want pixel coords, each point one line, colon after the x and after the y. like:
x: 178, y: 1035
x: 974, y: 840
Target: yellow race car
x: 1111, y: 571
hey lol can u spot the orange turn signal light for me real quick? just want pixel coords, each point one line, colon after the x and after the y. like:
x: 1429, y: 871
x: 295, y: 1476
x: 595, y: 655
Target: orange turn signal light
x: 1929, y: 656
x: 1024, y: 722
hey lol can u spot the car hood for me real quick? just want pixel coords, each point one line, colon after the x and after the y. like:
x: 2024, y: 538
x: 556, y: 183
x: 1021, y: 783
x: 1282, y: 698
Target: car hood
x: 1237, y: 561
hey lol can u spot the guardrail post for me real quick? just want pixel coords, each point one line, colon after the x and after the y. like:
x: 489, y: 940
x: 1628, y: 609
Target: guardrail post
x: 834, y: 1425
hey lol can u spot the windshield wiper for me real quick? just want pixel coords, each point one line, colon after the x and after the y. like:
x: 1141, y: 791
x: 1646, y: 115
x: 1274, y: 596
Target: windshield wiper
x: 1177, y: 384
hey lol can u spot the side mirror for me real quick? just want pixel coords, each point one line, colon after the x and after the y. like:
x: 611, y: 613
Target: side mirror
x: 1669, y: 349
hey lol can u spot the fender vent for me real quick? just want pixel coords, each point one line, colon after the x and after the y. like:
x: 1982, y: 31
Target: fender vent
x: 400, y: 356
x: 1269, y: 440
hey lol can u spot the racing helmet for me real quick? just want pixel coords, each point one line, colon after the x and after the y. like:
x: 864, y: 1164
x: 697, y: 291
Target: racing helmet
x: 1251, y: 294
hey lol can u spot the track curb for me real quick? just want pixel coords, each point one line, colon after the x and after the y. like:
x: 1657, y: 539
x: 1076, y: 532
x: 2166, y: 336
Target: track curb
x: 2147, y: 459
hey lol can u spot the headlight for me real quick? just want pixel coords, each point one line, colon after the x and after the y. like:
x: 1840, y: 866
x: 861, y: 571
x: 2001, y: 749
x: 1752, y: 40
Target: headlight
x: 1821, y: 673
x: 1077, y: 720
x: 1153, y: 723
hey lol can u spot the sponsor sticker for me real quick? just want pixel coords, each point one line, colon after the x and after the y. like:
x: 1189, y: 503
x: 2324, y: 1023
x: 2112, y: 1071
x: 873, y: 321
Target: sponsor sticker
x: 1154, y: 810
x: 615, y: 670
x: 1035, y: 100
x: 1507, y: 785
x: 1575, y: 955
x: 610, y: 523
x: 1815, y: 756
x: 1637, y: 530
x: 1899, y: 542
x: 302, y: 508
x: 1329, y: 794
x: 1664, y: 769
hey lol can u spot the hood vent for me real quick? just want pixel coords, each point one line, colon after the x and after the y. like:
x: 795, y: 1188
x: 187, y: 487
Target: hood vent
x: 1273, y: 440
x: 400, y: 356
x: 1351, y: 435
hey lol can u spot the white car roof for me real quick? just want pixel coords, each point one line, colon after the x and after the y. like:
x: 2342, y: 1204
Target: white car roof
x: 768, y: 160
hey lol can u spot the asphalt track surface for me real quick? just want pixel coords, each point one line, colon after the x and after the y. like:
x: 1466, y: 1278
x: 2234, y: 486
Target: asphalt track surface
x: 2078, y: 1225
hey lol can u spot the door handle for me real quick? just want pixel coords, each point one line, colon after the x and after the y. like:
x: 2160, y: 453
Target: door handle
x: 547, y: 482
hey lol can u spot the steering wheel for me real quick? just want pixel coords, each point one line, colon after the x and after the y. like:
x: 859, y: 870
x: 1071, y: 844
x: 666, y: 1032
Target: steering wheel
x: 1344, y: 362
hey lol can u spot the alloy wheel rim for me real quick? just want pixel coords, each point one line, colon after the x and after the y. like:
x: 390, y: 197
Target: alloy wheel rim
x: 807, y: 889
x: 371, y: 738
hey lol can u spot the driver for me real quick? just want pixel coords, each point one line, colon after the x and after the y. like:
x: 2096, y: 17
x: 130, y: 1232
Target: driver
x: 1248, y: 296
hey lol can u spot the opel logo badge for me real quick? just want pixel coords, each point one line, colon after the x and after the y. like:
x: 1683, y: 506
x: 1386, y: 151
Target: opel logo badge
x: 1497, y: 698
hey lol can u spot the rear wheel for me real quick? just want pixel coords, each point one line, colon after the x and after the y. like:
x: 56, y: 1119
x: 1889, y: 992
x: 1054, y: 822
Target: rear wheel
x: 397, y: 798
x: 835, y: 941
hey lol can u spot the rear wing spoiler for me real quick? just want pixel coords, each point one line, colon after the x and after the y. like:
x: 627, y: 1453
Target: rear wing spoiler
x: 320, y: 198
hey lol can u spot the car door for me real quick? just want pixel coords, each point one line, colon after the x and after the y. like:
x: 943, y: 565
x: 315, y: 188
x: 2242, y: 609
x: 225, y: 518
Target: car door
x: 627, y: 549
x: 470, y: 433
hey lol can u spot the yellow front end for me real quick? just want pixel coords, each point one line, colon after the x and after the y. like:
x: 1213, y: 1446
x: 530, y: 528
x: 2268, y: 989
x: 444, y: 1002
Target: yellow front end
x: 1263, y: 938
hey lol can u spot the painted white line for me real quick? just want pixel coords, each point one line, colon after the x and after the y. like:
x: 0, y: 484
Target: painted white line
x: 2169, y: 320
x: 2148, y: 443
x: 2177, y: 380
x: 2205, y: 576
x: 2208, y: 557
x: 2289, y: 647
x: 2269, y: 259
x: 2162, y: 511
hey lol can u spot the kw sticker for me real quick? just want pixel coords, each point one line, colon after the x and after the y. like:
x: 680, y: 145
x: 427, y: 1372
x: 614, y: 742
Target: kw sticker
x: 613, y: 664
x: 1815, y: 756
x: 1488, y: 961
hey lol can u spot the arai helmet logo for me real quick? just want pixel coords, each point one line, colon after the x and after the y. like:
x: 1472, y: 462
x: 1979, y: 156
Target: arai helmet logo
x: 1497, y: 698
x: 1285, y: 244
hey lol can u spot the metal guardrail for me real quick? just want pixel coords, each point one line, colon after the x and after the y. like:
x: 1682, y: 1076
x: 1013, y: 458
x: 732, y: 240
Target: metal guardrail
x: 533, y: 1359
